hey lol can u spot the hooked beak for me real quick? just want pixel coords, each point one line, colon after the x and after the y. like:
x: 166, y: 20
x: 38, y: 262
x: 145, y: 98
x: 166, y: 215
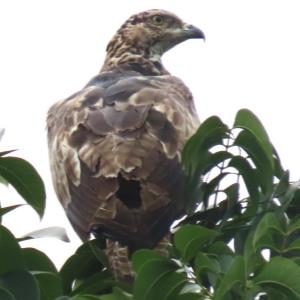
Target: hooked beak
x: 192, y: 32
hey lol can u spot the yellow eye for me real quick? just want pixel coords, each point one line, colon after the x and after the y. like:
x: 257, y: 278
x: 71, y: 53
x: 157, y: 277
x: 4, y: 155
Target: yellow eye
x: 158, y: 19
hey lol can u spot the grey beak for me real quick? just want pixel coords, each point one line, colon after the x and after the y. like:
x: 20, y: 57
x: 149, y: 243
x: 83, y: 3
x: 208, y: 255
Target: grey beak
x: 193, y: 32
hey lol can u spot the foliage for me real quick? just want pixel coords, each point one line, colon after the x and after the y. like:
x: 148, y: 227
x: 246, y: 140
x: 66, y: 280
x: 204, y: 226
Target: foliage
x: 239, y: 240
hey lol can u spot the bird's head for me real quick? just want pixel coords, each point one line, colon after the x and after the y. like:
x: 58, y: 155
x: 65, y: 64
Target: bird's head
x: 149, y: 35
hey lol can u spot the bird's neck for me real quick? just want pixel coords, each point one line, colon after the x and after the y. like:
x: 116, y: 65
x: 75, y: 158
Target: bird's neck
x: 126, y: 57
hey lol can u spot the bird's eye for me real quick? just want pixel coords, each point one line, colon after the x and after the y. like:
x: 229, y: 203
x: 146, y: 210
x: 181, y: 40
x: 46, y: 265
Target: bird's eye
x: 158, y: 20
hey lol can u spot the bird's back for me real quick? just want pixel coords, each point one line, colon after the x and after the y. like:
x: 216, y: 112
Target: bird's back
x: 115, y: 155
x: 115, y: 145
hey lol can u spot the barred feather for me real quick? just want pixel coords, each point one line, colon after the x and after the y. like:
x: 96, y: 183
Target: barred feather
x: 115, y: 145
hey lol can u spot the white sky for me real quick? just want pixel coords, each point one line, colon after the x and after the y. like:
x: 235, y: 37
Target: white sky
x: 50, y: 49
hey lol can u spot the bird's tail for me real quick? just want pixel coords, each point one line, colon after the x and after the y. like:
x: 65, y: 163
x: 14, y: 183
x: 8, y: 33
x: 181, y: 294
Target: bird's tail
x: 119, y: 258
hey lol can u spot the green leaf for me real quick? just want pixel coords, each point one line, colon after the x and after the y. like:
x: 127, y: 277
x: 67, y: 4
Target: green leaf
x: 21, y: 284
x: 291, y: 199
x: 3, y: 153
x: 25, y: 179
x: 294, y: 245
x: 278, y: 169
x: 36, y: 260
x: 202, y: 138
x: 190, y: 296
x: 204, y: 263
x: 294, y: 226
x: 248, y: 173
x: 264, y: 169
x: 49, y: 232
x: 247, y: 120
x: 3, y: 181
x: 121, y: 295
x: 235, y: 275
x: 90, y: 297
x: 142, y: 256
x: 95, y: 284
x: 81, y: 265
x: 50, y: 285
x: 207, y: 161
x: 10, y: 253
x: 210, y: 187
x: 190, y: 291
x: 108, y: 297
x: 281, y: 272
x: 96, y: 248
x: 157, y: 279
x: 206, y: 268
x: 189, y: 239
x: 118, y: 294
x: 219, y: 248
x: 265, y: 228
x: 283, y: 185
x: 232, y: 193
x: 253, y: 258
x: 5, y: 210
x: 6, y: 295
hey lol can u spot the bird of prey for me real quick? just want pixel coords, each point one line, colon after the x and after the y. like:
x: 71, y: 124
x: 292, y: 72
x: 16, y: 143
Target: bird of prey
x: 115, y: 145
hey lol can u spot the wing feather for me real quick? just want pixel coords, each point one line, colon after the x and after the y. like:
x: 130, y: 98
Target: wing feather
x: 122, y: 131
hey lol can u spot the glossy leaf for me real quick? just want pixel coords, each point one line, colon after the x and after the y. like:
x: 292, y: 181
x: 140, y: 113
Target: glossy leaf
x: 197, y: 141
x: 3, y: 181
x: 94, y: 284
x: 189, y: 239
x: 10, y: 253
x: 294, y: 226
x: 5, y: 294
x: 219, y: 248
x: 3, y: 153
x: 88, y: 297
x: 267, y: 225
x: 283, y: 185
x: 291, y: 200
x: 281, y: 272
x: 117, y: 294
x: 36, y: 260
x: 50, y: 285
x: 5, y: 210
x: 49, y: 232
x: 189, y: 296
x: 21, y: 284
x: 253, y: 258
x: 232, y: 193
x: 248, y: 141
x: 247, y: 120
x: 206, y: 269
x: 294, y: 245
x: 142, y: 256
x: 210, y: 187
x: 248, y: 174
x: 235, y: 275
x: 25, y: 179
x: 154, y: 274
x: 81, y: 265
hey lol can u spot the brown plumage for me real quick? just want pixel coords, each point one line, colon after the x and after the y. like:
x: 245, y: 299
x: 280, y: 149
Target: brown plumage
x: 115, y: 145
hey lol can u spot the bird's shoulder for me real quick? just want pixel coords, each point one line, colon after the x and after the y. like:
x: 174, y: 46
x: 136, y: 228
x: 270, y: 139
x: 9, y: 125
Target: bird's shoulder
x: 120, y: 101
